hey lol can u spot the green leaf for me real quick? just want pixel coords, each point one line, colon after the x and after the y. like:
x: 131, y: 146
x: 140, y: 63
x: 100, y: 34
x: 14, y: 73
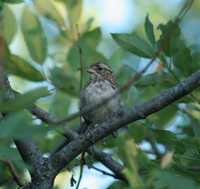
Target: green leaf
x: 134, y: 44
x: 139, y: 132
x: 66, y: 82
x: 7, y: 152
x: 170, y: 39
x: 14, y: 1
x: 149, y: 31
x: 115, y: 61
x: 170, y: 180
x: 49, y: 11
x: 34, y: 35
x: 60, y: 105
x: 25, y: 100
x: 124, y: 74
x: 185, y: 62
x: 163, y: 117
x: 20, y: 125
x: 9, y: 24
x: 117, y: 185
x: 88, y: 43
x: 162, y: 79
x: 18, y: 66
x: 165, y: 137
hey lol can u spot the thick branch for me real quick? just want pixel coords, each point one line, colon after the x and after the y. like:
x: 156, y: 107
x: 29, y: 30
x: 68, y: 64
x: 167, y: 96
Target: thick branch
x: 29, y: 152
x: 103, y: 157
x: 41, y: 172
x: 157, y: 103
x: 43, y: 115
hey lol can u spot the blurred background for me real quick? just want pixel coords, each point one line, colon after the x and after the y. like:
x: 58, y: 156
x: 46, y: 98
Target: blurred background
x: 43, y: 37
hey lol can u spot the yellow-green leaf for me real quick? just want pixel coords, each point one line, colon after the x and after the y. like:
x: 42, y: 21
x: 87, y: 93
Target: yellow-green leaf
x: 18, y: 66
x: 9, y: 24
x: 74, y: 8
x: 50, y: 11
x: 23, y: 101
x: 34, y: 35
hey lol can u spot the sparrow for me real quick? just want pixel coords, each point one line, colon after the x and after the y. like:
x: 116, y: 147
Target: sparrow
x: 101, y: 85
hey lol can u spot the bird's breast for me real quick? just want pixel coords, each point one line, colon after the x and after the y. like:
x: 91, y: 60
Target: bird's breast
x: 95, y: 93
x: 98, y: 91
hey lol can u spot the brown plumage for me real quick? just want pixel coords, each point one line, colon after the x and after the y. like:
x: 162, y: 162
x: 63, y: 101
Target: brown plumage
x: 101, y: 85
x: 105, y: 71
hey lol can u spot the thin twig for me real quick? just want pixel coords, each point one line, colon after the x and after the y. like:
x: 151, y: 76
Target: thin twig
x: 81, y: 67
x: 80, y: 59
x: 103, y: 172
x: 82, y: 162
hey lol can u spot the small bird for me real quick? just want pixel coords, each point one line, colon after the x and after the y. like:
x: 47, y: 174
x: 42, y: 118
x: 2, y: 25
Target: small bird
x: 101, y: 85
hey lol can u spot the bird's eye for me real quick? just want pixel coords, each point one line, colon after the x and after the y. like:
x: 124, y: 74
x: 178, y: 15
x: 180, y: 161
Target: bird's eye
x: 100, y: 68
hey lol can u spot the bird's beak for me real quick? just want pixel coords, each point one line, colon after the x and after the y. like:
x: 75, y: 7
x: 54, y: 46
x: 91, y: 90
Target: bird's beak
x: 91, y: 71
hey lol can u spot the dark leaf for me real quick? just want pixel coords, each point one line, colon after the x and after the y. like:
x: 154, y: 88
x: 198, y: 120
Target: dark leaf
x: 163, y: 117
x: 154, y: 79
x: 14, y: 1
x: 67, y: 83
x: 149, y: 31
x: 165, y: 137
x: 170, y: 180
x: 134, y: 44
x: 170, y: 39
x: 183, y: 61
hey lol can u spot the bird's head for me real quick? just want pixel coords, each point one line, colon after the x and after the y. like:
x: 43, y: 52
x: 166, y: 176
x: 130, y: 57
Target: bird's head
x: 99, y: 70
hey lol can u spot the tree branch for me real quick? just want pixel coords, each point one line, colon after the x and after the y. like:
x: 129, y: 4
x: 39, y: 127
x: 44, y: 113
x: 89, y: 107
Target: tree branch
x: 103, y: 172
x: 100, y: 156
x: 69, y: 134
x: 30, y: 153
x: 43, y: 115
x: 108, y: 161
x: 157, y: 103
x: 42, y: 174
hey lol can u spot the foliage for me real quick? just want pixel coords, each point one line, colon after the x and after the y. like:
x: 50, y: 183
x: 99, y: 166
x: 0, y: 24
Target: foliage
x: 173, y: 155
